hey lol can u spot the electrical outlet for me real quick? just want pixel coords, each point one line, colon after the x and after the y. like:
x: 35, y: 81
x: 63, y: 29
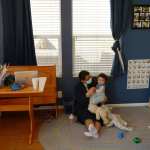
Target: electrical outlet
x: 60, y: 94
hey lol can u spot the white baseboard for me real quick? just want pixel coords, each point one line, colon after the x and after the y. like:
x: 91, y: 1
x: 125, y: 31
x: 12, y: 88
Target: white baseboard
x: 48, y: 107
x: 111, y: 105
x: 129, y: 105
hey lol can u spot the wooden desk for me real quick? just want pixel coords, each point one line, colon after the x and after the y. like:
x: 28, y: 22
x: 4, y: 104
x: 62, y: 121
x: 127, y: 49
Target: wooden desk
x: 49, y: 96
x: 23, y: 100
x: 17, y: 104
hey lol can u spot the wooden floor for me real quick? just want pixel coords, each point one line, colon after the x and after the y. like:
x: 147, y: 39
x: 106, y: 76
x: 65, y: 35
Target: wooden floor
x: 14, y: 130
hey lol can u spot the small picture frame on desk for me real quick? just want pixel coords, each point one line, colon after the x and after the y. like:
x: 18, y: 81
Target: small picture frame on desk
x: 140, y: 17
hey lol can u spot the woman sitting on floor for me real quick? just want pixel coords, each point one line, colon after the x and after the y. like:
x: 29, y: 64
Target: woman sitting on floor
x: 82, y: 94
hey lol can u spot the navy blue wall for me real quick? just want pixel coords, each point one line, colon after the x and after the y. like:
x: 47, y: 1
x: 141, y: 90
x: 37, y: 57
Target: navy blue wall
x: 135, y: 44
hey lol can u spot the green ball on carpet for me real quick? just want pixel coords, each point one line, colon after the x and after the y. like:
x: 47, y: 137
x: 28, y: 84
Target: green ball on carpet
x: 136, y: 140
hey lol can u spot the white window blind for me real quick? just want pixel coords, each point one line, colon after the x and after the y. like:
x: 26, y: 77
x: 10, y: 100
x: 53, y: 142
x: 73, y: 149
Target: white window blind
x: 92, y: 36
x: 46, y: 28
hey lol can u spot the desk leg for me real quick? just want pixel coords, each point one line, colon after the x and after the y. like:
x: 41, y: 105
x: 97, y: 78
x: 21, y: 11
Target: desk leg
x: 31, y: 116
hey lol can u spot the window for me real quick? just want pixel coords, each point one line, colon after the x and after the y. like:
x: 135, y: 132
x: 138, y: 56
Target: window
x: 46, y: 28
x: 92, y: 36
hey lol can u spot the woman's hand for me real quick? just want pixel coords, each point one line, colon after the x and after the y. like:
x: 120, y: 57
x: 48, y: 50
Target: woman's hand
x: 91, y: 91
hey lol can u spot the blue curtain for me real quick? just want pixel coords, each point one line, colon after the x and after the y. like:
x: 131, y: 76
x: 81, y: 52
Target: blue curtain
x: 18, y: 42
x: 120, y: 14
x: 1, y: 35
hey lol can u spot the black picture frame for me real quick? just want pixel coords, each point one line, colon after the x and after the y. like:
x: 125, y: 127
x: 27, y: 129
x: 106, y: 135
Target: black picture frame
x: 140, y: 17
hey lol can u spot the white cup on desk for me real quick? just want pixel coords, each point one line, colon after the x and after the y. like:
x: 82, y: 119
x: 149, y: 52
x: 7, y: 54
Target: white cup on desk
x: 35, y: 83
x: 42, y: 81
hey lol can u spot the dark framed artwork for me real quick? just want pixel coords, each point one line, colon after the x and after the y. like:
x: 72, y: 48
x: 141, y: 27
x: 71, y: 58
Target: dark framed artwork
x: 140, y: 17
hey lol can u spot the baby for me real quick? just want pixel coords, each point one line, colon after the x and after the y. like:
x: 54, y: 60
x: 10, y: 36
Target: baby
x: 102, y: 111
x: 99, y: 98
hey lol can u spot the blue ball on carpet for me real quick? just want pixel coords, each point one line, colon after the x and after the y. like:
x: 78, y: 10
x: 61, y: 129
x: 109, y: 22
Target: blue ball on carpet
x: 120, y: 135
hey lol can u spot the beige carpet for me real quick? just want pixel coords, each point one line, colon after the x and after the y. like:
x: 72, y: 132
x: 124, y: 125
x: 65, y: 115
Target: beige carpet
x: 62, y: 134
